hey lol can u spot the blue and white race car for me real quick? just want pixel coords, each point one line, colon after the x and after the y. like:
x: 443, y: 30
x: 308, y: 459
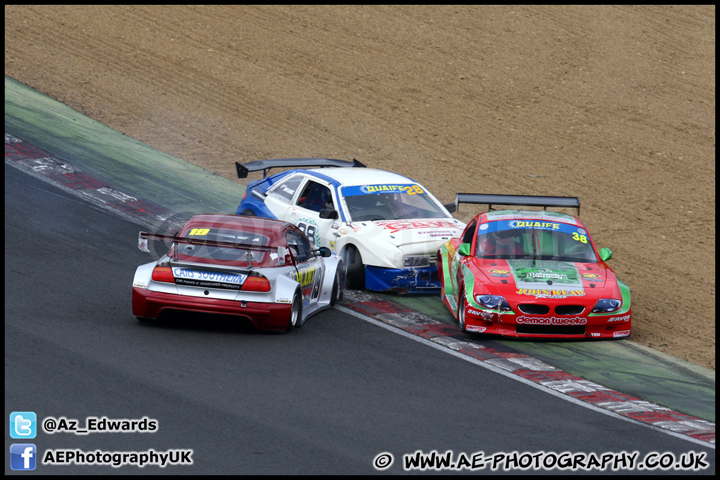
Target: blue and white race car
x: 386, y: 227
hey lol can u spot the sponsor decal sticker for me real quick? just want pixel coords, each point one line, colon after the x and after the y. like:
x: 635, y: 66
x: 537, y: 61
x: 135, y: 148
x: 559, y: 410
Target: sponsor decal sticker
x: 550, y: 293
x: 438, y: 233
x: 409, y: 189
x: 488, y: 316
x: 534, y: 224
x: 475, y: 328
x: 450, y: 248
x: 546, y: 274
x: 525, y: 320
x: 200, y: 278
x: 624, y: 318
x: 411, y: 224
x: 561, y: 279
x: 305, y: 277
x: 622, y: 333
x: 495, y: 272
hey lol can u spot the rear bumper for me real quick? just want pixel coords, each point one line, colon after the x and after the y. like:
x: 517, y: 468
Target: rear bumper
x: 403, y: 280
x: 265, y: 316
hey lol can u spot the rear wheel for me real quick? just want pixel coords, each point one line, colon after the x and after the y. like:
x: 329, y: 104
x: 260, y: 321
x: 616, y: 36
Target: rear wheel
x: 247, y: 212
x: 296, y: 311
x: 355, y: 271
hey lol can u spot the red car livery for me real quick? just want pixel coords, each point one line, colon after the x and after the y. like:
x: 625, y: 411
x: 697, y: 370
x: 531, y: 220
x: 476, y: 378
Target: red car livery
x: 531, y: 274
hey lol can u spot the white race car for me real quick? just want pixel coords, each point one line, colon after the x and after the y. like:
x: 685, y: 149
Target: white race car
x: 386, y: 227
x: 262, y: 270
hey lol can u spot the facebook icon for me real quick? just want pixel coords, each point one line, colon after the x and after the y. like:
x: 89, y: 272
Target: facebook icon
x: 22, y: 456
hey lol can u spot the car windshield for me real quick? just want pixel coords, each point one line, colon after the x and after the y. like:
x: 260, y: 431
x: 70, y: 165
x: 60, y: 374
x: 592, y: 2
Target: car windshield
x: 390, y: 202
x: 539, y: 240
x: 219, y: 254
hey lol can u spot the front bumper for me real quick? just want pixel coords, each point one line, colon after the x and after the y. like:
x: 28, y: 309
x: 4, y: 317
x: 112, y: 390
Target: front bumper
x: 402, y: 280
x: 595, y: 327
x: 265, y: 316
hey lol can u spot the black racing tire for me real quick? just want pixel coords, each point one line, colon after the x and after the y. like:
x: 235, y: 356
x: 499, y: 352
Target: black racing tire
x: 355, y: 270
x: 461, y: 313
x: 248, y: 213
x: 295, y: 319
x: 337, y: 289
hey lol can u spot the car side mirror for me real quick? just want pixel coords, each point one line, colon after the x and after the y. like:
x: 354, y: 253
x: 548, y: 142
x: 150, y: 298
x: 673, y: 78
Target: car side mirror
x: 605, y: 254
x: 324, y: 251
x: 450, y: 207
x: 464, y: 249
x: 329, y: 213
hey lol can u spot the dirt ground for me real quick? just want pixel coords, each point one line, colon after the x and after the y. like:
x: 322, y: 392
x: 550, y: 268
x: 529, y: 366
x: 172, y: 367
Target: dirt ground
x: 613, y: 104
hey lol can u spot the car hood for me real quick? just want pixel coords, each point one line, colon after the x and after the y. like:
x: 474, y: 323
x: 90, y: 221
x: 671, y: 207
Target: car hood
x: 543, y: 278
x: 412, y: 236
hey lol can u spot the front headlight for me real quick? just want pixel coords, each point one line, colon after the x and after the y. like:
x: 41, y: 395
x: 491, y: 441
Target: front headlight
x: 494, y: 302
x: 417, y: 261
x: 607, y: 305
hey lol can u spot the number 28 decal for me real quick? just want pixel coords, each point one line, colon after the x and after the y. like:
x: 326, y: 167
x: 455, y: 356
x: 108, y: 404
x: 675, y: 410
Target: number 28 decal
x: 310, y: 231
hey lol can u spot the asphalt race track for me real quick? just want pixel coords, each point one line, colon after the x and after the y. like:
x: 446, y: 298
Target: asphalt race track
x: 323, y: 399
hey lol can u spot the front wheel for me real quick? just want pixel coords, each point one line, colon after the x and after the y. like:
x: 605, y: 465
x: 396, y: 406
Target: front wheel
x: 248, y: 213
x: 355, y: 270
x: 461, y: 313
x: 337, y: 290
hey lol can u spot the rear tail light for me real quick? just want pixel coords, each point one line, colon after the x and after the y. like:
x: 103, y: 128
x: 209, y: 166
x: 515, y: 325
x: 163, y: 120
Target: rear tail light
x: 256, y: 284
x: 163, y: 274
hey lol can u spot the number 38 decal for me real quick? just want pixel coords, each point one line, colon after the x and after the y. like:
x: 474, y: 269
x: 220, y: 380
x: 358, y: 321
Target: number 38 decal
x: 579, y: 238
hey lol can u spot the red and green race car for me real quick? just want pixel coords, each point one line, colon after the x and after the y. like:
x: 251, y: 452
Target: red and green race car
x: 535, y: 274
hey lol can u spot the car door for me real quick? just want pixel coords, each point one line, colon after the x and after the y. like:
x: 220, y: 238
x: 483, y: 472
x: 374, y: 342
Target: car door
x: 458, y: 259
x: 310, y: 267
x: 280, y: 197
x: 315, y: 196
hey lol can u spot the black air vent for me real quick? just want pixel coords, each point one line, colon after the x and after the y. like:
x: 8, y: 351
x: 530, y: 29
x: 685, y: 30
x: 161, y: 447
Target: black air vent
x: 569, y: 309
x: 534, y: 309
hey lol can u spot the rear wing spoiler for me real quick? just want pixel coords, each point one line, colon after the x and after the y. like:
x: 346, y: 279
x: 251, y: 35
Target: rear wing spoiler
x: 265, y: 165
x: 284, y: 254
x: 523, y: 200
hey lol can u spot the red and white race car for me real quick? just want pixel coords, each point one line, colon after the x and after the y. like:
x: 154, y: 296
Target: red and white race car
x: 263, y: 270
x: 531, y: 274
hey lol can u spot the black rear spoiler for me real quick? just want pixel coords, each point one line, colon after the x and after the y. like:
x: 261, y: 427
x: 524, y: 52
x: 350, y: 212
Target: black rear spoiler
x: 265, y: 165
x: 143, y: 238
x: 524, y: 200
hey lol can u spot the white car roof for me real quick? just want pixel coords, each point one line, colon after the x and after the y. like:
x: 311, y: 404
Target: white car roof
x: 362, y: 176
